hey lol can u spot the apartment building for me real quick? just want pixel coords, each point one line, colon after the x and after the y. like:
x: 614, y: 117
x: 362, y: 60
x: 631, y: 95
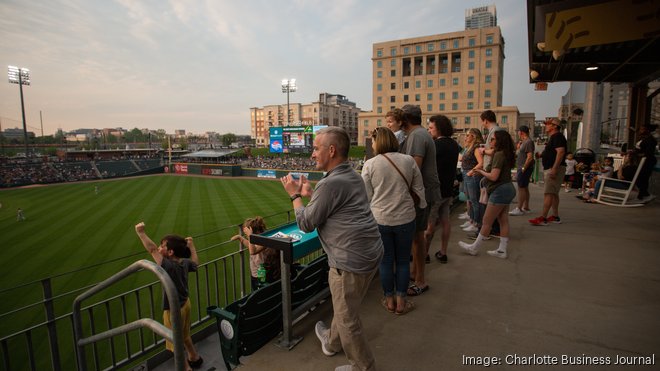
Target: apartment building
x: 330, y: 110
x: 457, y: 74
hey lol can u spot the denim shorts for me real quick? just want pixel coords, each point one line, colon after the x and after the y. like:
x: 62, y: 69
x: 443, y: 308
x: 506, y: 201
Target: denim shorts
x: 502, y: 195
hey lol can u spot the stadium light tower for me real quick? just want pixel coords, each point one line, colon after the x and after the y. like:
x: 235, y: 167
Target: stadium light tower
x: 288, y: 86
x: 20, y: 76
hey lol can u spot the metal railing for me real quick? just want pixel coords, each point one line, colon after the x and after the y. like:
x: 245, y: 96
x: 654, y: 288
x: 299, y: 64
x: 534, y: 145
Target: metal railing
x: 50, y: 344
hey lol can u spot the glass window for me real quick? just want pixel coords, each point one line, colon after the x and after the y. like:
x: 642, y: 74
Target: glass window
x: 379, y: 100
x: 379, y: 110
x: 471, y: 42
x: 393, y: 63
x: 418, y: 48
x: 487, y: 93
x: 470, y: 79
x: 442, y: 82
x: 456, y: 44
x: 379, y: 53
x: 443, y: 45
x: 430, y: 47
x: 392, y: 99
x: 486, y: 105
x: 418, y: 84
x: 470, y: 94
x: 470, y: 65
x: 393, y: 52
x: 454, y: 81
x: 406, y: 50
x: 429, y: 107
x: 454, y: 95
x: 379, y: 87
x: 406, y: 85
x: 441, y: 107
x: 392, y: 85
x: 489, y: 39
x: 379, y: 123
x: 392, y: 73
x: 489, y: 52
x: 467, y: 120
x: 429, y: 83
x: 417, y: 98
x: 489, y: 64
x: 441, y: 96
x: 487, y: 78
x: 454, y: 106
x: 379, y: 74
x: 470, y: 105
x: 365, y: 133
x: 429, y: 96
x: 405, y: 98
x: 505, y: 119
x: 471, y: 53
x: 379, y: 64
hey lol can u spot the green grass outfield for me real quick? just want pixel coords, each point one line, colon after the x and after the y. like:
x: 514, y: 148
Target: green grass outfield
x: 68, y: 227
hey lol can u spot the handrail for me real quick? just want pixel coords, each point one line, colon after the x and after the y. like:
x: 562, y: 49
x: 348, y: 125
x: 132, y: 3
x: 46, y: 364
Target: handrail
x: 175, y: 335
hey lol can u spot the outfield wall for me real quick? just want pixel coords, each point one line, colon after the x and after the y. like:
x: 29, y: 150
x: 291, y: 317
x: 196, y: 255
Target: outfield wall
x: 236, y: 170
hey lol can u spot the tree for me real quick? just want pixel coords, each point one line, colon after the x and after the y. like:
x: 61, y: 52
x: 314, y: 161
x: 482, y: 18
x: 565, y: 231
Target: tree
x: 228, y: 139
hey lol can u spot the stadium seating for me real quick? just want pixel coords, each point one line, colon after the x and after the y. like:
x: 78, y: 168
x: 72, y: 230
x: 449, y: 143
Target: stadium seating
x: 249, y: 323
x: 111, y: 169
x: 146, y: 164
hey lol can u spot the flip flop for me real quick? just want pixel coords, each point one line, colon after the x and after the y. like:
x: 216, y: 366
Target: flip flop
x: 408, y: 307
x: 415, y: 290
x: 383, y: 301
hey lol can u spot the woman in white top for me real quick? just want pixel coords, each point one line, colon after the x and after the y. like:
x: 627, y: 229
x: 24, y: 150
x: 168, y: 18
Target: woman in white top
x: 388, y: 177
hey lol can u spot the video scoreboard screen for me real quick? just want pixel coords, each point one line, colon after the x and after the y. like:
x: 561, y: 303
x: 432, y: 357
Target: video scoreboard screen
x: 293, y: 139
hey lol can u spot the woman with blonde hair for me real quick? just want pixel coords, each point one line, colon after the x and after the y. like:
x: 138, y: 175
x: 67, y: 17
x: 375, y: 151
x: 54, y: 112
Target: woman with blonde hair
x: 390, y: 177
x: 473, y: 159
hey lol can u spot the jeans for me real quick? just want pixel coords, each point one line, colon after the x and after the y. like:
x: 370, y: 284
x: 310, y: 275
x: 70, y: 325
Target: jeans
x: 477, y: 210
x: 395, y: 266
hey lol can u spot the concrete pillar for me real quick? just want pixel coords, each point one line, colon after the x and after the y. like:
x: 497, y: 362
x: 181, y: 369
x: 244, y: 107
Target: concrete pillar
x: 592, y: 116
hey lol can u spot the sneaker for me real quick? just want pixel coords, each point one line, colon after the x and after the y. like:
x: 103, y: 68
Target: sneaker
x: 516, y: 212
x: 443, y: 259
x: 464, y: 216
x: 567, y: 190
x: 466, y: 224
x: 647, y: 199
x: 322, y: 333
x: 497, y: 254
x: 474, y: 235
x: 527, y: 211
x: 470, y: 228
x: 494, y: 234
x: 538, y: 221
x: 554, y: 219
x: 344, y: 368
x: 468, y: 248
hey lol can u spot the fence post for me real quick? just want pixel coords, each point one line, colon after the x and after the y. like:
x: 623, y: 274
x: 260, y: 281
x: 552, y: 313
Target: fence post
x: 241, y: 255
x: 52, y: 328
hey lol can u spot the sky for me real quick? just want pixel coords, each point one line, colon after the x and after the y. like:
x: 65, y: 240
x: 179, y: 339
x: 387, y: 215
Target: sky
x: 201, y: 65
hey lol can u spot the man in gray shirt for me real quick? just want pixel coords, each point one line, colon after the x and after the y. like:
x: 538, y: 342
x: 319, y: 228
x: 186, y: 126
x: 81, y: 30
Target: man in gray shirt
x: 419, y: 144
x: 525, y: 165
x: 339, y: 210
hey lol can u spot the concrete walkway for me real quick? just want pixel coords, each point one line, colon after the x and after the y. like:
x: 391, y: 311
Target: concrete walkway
x: 589, y: 287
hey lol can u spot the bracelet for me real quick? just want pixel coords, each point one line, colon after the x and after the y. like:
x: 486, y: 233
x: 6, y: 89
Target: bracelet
x: 297, y: 195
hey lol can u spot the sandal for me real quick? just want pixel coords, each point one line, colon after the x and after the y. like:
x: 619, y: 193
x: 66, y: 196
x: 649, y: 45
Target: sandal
x: 415, y: 290
x: 408, y: 307
x: 383, y: 301
x: 197, y: 363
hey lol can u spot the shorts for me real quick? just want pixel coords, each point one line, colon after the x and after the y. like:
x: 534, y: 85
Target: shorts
x: 185, y: 323
x: 422, y: 216
x: 554, y: 185
x: 502, y: 195
x: 523, y: 177
x: 569, y: 178
x: 440, y: 210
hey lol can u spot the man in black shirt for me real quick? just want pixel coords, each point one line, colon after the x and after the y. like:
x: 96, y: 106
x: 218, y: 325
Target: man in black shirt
x: 554, y: 168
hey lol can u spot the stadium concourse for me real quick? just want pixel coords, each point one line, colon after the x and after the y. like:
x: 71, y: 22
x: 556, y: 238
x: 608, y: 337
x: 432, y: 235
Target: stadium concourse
x: 584, y: 291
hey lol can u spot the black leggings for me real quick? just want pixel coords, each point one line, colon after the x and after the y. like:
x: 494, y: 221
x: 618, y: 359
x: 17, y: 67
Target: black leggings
x: 644, y: 177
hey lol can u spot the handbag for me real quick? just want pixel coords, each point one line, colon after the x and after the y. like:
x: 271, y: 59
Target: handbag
x: 414, y: 195
x: 483, y: 195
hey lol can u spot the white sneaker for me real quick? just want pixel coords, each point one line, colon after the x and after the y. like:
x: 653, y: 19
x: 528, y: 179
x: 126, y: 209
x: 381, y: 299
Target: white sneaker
x: 466, y: 224
x: 464, y: 216
x: 322, y: 333
x: 468, y: 248
x: 527, y: 211
x: 567, y: 190
x: 497, y: 254
x: 516, y: 212
x: 470, y: 228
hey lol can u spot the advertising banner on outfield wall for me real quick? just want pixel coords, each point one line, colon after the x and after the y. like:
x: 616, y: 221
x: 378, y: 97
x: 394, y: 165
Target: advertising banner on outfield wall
x: 181, y: 168
x: 213, y: 171
x: 266, y: 174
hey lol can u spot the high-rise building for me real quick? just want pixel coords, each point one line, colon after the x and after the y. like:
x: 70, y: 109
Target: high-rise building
x: 457, y: 74
x: 481, y: 17
x: 330, y: 110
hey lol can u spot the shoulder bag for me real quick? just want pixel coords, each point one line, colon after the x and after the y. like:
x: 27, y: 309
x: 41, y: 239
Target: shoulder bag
x: 414, y: 195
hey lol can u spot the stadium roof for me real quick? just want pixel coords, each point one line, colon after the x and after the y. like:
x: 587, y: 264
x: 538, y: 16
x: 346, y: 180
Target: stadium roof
x: 211, y: 153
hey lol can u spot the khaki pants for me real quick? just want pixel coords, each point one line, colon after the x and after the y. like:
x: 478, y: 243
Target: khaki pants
x: 348, y: 290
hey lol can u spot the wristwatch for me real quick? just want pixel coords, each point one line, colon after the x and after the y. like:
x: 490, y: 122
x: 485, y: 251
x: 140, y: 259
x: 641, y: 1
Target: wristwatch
x: 297, y: 195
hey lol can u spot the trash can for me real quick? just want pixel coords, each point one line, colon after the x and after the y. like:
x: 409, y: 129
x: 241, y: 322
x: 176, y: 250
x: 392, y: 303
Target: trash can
x: 587, y: 157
